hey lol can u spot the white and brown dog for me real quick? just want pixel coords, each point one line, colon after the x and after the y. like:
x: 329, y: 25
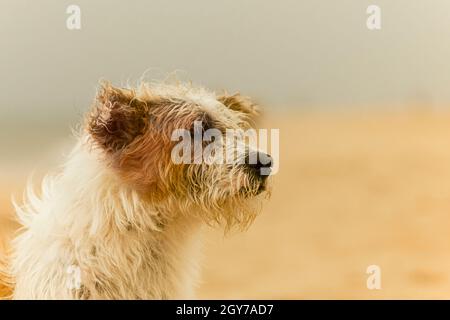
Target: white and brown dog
x: 121, y: 214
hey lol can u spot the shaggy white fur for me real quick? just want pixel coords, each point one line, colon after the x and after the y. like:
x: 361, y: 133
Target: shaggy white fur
x: 82, y: 220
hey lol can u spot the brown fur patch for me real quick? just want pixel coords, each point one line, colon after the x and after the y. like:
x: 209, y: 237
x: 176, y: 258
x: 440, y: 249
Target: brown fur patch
x: 6, y: 283
x: 5, y: 291
x: 117, y: 118
x: 134, y: 128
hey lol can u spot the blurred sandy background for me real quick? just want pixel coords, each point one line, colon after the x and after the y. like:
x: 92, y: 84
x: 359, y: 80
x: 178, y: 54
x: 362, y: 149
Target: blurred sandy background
x: 353, y: 190
x: 364, y: 119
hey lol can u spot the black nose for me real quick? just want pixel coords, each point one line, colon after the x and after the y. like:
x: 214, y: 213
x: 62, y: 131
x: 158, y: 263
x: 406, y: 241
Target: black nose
x: 260, y: 162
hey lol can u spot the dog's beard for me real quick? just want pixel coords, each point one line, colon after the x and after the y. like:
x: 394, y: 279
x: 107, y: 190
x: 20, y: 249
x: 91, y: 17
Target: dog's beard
x: 224, y: 195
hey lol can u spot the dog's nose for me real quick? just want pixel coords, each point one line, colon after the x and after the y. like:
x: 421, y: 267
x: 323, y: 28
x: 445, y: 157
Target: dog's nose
x: 260, y: 162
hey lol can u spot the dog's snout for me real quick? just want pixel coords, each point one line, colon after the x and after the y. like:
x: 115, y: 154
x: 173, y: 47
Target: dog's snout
x: 260, y: 162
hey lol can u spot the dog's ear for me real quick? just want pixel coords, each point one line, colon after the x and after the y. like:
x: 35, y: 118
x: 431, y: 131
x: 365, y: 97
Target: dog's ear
x: 117, y: 118
x: 240, y: 104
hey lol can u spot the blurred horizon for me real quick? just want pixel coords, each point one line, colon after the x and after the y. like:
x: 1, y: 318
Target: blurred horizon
x: 297, y: 54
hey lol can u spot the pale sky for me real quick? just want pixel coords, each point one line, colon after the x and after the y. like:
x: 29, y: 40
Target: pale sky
x: 285, y: 53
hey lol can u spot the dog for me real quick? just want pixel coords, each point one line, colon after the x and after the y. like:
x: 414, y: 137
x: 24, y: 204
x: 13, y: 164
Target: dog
x: 121, y: 220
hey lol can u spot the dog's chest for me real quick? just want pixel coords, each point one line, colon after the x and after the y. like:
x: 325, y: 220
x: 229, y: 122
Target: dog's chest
x: 164, y: 265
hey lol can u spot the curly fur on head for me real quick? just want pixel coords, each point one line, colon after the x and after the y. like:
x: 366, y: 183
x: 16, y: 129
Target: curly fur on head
x: 122, y: 211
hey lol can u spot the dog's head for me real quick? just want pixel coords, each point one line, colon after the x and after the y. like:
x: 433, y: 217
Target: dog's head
x: 174, y: 144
